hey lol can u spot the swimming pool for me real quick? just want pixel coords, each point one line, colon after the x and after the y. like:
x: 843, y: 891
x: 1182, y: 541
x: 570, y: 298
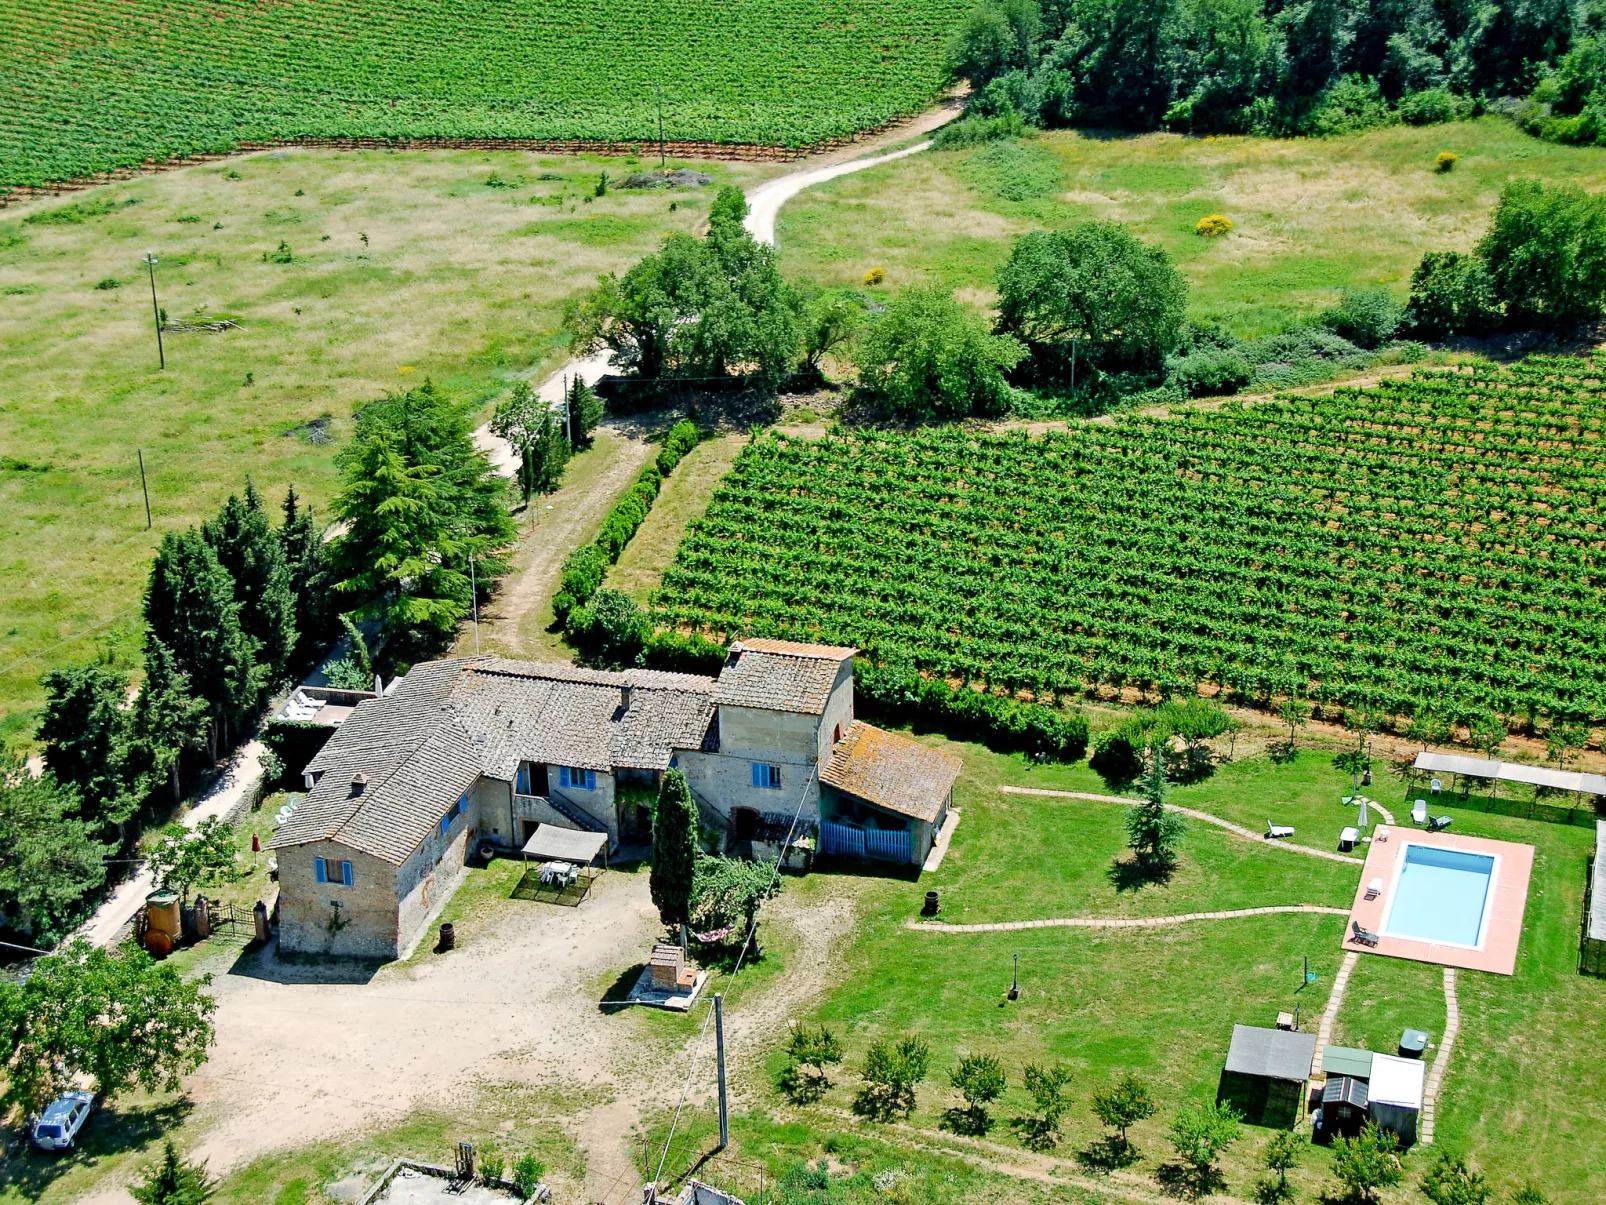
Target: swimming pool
x: 1441, y: 895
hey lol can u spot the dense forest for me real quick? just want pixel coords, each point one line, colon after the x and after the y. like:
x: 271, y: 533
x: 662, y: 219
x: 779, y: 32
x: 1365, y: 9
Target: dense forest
x: 1268, y: 67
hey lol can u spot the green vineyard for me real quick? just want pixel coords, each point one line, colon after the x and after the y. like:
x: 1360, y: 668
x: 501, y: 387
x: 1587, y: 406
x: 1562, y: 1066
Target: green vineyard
x: 1431, y: 545
x: 87, y: 86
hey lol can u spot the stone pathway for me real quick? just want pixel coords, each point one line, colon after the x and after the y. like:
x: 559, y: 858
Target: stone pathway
x: 1236, y: 829
x: 1441, y: 1061
x: 1324, y: 1032
x: 1120, y: 922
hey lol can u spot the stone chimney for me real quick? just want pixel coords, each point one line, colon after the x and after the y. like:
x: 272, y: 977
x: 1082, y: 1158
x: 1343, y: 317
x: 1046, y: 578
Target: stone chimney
x: 625, y: 692
x: 359, y: 784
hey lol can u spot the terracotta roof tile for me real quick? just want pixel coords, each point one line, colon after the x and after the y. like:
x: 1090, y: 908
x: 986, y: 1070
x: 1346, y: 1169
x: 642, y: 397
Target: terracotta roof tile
x: 892, y: 771
x: 777, y: 675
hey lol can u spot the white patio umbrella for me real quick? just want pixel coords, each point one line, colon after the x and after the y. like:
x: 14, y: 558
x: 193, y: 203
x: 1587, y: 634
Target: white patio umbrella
x: 1363, y: 822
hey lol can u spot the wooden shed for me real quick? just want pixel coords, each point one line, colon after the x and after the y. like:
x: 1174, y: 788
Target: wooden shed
x: 1266, y: 1073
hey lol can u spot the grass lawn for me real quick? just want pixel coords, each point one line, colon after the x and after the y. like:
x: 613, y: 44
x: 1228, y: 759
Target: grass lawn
x: 405, y: 266
x: 1309, y: 215
x: 1518, y: 1097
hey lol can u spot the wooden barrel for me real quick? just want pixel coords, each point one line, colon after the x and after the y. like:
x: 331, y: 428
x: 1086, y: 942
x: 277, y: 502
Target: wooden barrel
x: 931, y: 905
x: 448, y: 936
x: 162, y: 909
x: 158, y: 944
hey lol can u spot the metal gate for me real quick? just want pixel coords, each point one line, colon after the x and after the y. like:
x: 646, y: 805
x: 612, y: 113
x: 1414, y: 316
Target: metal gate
x: 853, y: 842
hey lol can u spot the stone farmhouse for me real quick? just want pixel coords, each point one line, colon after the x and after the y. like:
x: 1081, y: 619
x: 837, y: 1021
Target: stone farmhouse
x: 463, y: 754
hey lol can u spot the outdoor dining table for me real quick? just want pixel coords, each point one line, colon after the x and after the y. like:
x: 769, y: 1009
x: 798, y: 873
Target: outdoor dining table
x: 556, y: 872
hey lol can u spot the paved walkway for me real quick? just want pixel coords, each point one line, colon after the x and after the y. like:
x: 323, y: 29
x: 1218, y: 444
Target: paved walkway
x: 939, y: 847
x: 1120, y: 922
x: 1441, y: 1061
x: 225, y: 797
x: 1236, y: 829
x: 1335, y: 1001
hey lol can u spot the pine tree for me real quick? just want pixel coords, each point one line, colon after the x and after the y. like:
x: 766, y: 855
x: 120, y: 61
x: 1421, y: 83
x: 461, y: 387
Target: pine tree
x: 550, y: 455
x: 585, y: 411
x: 190, y: 607
x: 674, y: 850
x: 84, y: 731
x: 311, y: 583
x: 50, y: 862
x: 247, y: 547
x: 167, y: 720
x: 173, y: 1181
x: 1153, y: 832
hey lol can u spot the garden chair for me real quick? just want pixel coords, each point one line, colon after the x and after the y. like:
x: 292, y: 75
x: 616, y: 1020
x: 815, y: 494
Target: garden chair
x: 1437, y: 786
x: 1362, y: 936
x: 1374, y: 889
x: 1274, y: 831
x: 1419, y: 812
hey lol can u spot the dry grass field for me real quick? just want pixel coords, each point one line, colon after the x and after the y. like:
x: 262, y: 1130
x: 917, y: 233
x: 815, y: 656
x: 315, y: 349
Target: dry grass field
x: 451, y: 266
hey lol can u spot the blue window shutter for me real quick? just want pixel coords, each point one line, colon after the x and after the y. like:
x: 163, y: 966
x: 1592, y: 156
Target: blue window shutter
x: 345, y: 873
x: 323, y: 874
x: 563, y: 776
x: 756, y: 781
x: 591, y: 780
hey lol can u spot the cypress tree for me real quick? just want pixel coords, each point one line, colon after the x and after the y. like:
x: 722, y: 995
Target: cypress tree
x: 247, y: 547
x: 190, y: 607
x: 84, y: 731
x: 167, y: 720
x: 311, y: 583
x: 674, y: 850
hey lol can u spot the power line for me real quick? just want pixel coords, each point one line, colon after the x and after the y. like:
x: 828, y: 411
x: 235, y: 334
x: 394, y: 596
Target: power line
x: 87, y: 631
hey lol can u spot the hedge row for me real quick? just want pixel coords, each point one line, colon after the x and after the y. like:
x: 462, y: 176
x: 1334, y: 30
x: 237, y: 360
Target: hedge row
x: 586, y: 566
x: 899, y: 695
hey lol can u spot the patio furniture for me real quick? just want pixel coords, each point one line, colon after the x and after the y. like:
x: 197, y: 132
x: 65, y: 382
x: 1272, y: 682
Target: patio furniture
x: 1437, y: 785
x: 1285, y: 1021
x: 1273, y: 831
x: 1412, y: 1043
x: 1439, y: 823
x: 1348, y: 838
x: 557, y: 872
x: 1419, y: 812
x: 1361, y: 936
x: 1374, y: 889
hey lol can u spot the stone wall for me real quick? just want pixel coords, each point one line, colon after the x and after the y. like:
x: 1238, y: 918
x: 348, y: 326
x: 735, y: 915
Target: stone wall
x: 367, y: 925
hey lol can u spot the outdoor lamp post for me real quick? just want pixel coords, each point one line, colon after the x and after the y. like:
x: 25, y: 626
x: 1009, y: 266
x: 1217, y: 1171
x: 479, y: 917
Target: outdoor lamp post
x: 1014, y: 987
x: 156, y: 312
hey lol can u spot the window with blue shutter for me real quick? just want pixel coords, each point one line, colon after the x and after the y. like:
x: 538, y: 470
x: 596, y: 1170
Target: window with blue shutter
x: 446, y: 823
x: 766, y: 777
x: 522, y: 785
x: 578, y: 779
x: 462, y: 803
x: 321, y: 867
x: 345, y: 874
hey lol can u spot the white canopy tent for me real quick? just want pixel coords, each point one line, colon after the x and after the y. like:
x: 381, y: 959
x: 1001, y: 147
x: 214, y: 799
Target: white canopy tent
x: 553, y: 843
x: 1497, y: 771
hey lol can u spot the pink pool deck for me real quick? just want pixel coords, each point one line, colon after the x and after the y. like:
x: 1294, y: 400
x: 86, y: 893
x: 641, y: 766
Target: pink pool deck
x: 1497, y: 952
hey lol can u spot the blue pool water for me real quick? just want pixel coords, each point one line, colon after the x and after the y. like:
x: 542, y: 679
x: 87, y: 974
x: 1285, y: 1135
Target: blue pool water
x: 1441, y: 895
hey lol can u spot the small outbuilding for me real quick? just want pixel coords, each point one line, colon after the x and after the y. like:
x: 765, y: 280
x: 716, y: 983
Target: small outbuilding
x: 1395, y: 1094
x: 884, y: 796
x: 1266, y: 1073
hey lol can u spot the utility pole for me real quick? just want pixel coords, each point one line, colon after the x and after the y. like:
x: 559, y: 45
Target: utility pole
x: 719, y: 1047
x: 663, y: 164
x: 474, y: 601
x: 145, y: 489
x: 1073, y: 363
x: 156, y: 312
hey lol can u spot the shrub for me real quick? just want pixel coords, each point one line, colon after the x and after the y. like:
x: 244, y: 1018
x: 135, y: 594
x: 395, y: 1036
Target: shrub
x: 810, y: 1054
x: 974, y: 130
x: 1451, y: 1182
x: 280, y: 254
x: 875, y: 276
x: 1366, y: 317
x: 1116, y: 756
x: 682, y: 438
x: 489, y: 1160
x: 1444, y: 161
x: 980, y: 1080
x: 1368, y: 1162
x: 929, y: 357
x: 1213, y: 373
x: 527, y: 1173
x: 1451, y: 294
x: 109, y: 282
x: 1546, y: 254
x: 1352, y: 104
x: 891, y: 1073
x: 683, y: 653
x: 609, y: 630
x: 1212, y: 225
x: 1432, y: 106
x: 1014, y: 172
x: 1047, y: 1088
x: 1302, y: 355
x: 582, y: 573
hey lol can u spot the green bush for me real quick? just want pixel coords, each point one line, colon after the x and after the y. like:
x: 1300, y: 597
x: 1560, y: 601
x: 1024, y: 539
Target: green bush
x: 583, y: 571
x: 1366, y: 317
x: 1546, y: 254
x: 1431, y: 106
x: 928, y: 357
x: 1451, y: 294
x: 974, y: 130
x: 1347, y: 106
x: 1211, y: 373
x: 1302, y: 355
x: 680, y: 653
x: 609, y: 630
x: 527, y: 1173
x: 682, y: 438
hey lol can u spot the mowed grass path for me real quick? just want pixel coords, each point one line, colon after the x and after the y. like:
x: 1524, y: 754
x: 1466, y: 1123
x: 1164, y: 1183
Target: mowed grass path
x: 456, y: 280
x: 1520, y: 1095
x: 1310, y: 216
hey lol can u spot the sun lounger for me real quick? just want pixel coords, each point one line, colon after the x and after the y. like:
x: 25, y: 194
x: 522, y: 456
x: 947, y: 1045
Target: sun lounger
x: 1374, y: 889
x: 1439, y: 823
x: 1361, y: 936
x: 1419, y: 812
x: 1273, y: 831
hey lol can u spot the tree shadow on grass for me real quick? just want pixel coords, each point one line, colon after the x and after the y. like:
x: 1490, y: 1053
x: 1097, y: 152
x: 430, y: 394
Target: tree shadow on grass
x: 111, y: 1130
x: 972, y: 1123
x: 1035, y: 1133
x: 1190, y: 1181
x: 617, y: 998
x: 1130, y: 873
x: 1108, y: 1155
